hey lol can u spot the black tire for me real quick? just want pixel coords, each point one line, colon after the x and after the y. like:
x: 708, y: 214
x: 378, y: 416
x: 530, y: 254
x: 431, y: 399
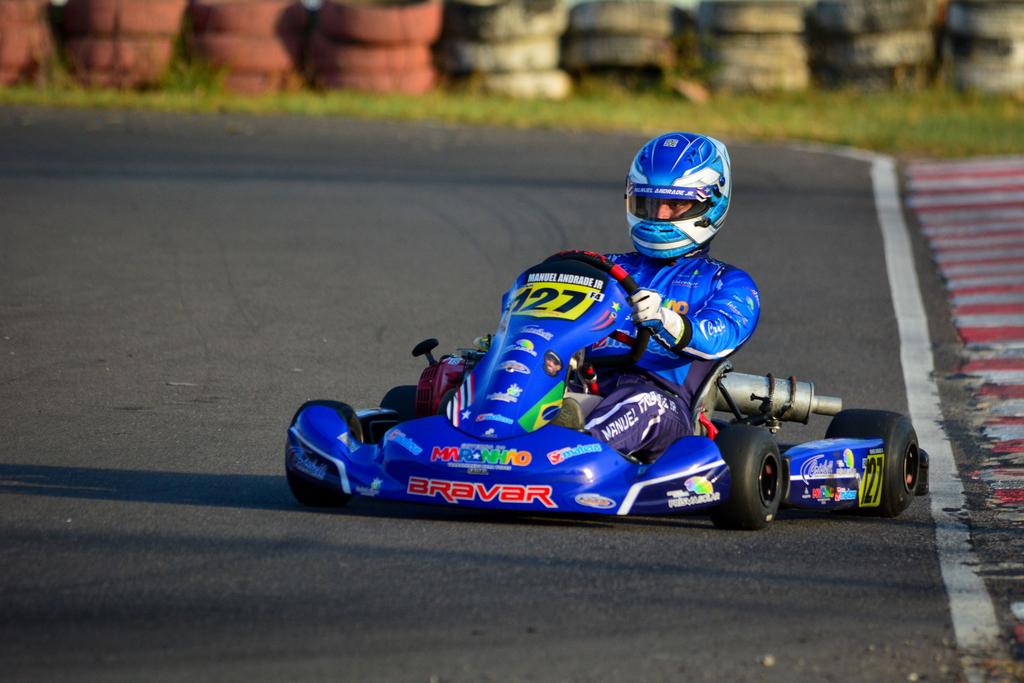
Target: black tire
x: 628, y: 17
x: 901, y: 468
x: 878, y: 50
x: 872, y: 16
x: 401, y: 399
x: 445, y: 400
x: 315, y: 496
x: 522, y: 54
x: 594, y: 50
x: 503, y: 20
x: 757, y: 479
x: 752, y: 16
x: 318, y: 495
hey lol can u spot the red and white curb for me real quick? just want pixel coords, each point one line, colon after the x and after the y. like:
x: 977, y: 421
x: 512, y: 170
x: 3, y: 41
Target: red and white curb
x: 972, y: 214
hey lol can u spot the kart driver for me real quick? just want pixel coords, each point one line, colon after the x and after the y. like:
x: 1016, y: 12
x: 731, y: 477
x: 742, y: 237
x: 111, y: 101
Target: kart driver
x: 699, y: 310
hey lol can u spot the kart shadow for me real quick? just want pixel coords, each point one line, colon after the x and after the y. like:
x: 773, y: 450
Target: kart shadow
x: 247, y: 491
x: 270, y: 492
x: 397, y: 510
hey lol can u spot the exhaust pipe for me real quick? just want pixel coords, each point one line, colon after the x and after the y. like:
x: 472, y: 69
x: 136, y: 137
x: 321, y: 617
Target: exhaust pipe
x: 781, y: 399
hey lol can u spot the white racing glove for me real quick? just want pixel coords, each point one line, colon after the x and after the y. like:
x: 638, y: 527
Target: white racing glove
x: 648, y: 312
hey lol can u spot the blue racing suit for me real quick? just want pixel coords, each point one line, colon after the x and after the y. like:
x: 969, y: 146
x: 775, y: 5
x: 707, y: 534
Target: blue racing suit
x: 647, y: 407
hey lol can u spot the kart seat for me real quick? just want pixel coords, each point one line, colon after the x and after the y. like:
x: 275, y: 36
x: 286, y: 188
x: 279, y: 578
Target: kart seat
x: 569, y: 417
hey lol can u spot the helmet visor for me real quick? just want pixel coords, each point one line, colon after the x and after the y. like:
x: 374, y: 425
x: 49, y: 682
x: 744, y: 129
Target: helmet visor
x: 664, y: 208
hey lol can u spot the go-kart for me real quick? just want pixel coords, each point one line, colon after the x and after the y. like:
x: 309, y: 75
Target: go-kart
x: 483, y: 428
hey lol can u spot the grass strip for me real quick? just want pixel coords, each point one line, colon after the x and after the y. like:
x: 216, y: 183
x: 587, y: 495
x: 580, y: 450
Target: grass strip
x: 929, y: 123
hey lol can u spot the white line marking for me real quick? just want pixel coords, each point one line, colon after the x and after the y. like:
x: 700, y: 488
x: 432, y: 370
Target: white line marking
x: 1004, y: 432
x: 1013, y: 407
x: 978, y: 254
x: 1011, y: 377
x: 979, y: 164
x: 952, y: 243
x: 962, y: 200
x: 974, y: 619
x: 962, y: 282
x: 957, y: 219
x: 1003, y: 346
x: 984, y: 268
x: 991, y: 298
x: 923, y: 183
x: 982, y: 320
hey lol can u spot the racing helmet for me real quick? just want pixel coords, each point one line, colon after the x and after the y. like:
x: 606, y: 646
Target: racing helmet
x: 677, y: 194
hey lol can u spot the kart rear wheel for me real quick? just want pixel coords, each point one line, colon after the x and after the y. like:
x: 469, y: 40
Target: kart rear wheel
x: 755, y: 473
x: 902, y: 465
x: 402, y: 400
x: 316, y: 496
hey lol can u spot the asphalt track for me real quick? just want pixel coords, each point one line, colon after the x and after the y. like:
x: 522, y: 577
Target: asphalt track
x: 172, y: 288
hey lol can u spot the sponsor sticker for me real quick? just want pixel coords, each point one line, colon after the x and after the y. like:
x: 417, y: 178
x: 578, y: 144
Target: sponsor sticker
x: 399, y: 437
x: 312, y: 466
x: 524, y: 346
x: 826, y: 467
x: 698, y: 491
x: 372, y: 490
x: 514, y: 366
x: 494, y: 417
x: 552, y: 363
x: 712, y: 328
x: 481, y: 455
x: 456, y: 491
x: 594, y: 500
x: 563, y: 454
x: 537, y: 331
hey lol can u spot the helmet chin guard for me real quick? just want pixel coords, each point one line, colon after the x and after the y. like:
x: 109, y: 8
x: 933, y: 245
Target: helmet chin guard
x: 673, y: 168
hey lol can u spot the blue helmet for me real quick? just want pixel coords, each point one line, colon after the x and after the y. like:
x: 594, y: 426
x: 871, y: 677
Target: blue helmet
x: 677, y: 194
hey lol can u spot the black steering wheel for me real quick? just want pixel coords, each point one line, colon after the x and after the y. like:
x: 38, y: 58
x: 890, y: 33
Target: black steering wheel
x: 629, y: 286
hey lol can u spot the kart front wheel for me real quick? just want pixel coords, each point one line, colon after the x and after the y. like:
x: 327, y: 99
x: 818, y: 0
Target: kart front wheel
x: 316, y: 496
x: 901, y: 467
x: 756, y: 478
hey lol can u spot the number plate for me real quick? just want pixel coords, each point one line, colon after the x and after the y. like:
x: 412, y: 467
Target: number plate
x: 554, y: 300
x: 871, y: 484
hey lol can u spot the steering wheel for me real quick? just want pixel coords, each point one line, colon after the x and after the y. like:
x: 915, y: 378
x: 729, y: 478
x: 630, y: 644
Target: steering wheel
x: 629, y: 286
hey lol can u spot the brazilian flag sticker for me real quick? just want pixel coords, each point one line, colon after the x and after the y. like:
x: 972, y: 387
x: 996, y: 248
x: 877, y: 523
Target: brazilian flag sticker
x: 544, y: 410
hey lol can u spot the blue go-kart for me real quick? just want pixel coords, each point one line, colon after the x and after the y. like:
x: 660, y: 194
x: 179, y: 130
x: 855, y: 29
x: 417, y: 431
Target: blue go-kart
x: 488, y: 427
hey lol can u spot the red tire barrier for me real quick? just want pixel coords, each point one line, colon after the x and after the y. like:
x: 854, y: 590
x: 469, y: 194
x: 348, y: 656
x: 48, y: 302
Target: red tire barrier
x: 23, y: 46
x: 416, y: 22
x: 249, y: 53
x: 260, y: 83
x: 327, y: 56
x: 412, y: 82
x: 21, y: 12
x: 110, y: 17
x: 136, y: 59
x: 248, y: 17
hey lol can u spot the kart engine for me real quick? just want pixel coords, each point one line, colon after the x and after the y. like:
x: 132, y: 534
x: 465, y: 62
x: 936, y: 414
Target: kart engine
x: 776, y: 399
x: 441, y: 378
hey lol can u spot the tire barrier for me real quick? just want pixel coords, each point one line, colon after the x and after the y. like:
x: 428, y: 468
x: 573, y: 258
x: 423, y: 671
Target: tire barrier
x: 984, y: 46
x: 376, y: 48
x: 754, y: 46
x: 26, y: 47
x: 506, y: 47
x: 121, y: 43
x: 625, y: 37
x: 873, y: 44
x: 258, y: 44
